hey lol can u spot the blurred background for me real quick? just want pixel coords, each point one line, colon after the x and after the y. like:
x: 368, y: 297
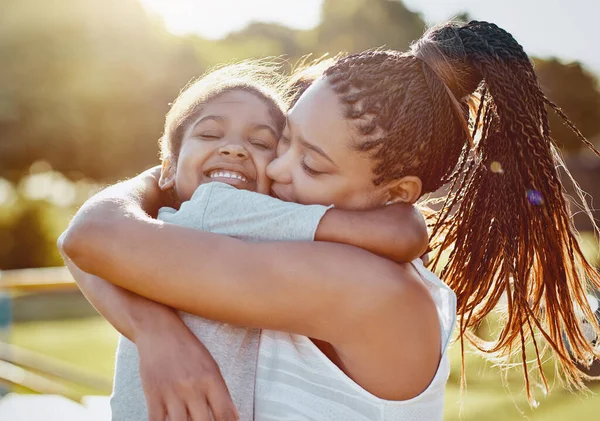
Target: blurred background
x: 84, y: 88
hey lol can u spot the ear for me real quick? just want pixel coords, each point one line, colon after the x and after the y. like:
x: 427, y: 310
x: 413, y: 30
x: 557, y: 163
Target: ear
x: 405, y: 190
x: 167, y: 175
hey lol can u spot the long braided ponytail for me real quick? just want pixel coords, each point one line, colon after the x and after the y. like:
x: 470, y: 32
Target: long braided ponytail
x: 464, y: 107
x: 512, y: 231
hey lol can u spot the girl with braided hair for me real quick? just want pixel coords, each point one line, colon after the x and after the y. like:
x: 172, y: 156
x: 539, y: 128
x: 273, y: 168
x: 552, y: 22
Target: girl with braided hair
x: 368, y: 336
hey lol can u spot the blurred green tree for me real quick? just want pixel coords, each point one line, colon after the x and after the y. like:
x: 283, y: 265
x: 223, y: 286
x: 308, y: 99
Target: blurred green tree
x: 85, y: 85
x: 356, y: 25
x: 27, y: 237
x: 576, y: 91
x: 278, y: 40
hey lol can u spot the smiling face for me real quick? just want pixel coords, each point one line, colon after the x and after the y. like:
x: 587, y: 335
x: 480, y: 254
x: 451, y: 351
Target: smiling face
x: 232, y: 140
x: 316, y: 162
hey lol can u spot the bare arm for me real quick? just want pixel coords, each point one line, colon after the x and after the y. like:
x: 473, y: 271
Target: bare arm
x: 129, y: 313
x: 397, y: 231
x: 284, y: 286
x: 240, y: 283
x: 377, y: 314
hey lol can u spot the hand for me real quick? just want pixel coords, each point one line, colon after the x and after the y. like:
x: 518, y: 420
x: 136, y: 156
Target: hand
x: 180, y: 378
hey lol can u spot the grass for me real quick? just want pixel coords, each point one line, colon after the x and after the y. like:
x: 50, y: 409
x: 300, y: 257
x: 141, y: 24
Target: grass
x: 90, y: 344
x: 87, y: 343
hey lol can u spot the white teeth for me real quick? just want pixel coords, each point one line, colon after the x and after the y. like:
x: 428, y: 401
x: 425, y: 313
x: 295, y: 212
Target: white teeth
x: 227, y: 174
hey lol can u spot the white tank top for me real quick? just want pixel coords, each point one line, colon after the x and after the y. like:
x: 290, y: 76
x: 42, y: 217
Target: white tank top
x: 295, y: 381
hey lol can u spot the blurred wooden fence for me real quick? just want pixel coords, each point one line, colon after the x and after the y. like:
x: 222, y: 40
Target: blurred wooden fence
x: 29, y: 369
x: 37, y: 280
x: 43, y: 294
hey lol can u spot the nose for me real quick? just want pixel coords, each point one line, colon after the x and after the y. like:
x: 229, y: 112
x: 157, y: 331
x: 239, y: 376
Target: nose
x: 233, y: 150
x: 278, y: 169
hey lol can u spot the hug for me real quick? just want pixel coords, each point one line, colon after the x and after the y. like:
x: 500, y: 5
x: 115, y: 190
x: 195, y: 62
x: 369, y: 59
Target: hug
x: 273, y: 267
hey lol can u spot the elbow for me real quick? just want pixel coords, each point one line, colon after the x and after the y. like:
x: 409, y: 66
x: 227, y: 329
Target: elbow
x: 413, y: 242
x: 78, y: 241
x: 68, y: 243
x: 420, y: 240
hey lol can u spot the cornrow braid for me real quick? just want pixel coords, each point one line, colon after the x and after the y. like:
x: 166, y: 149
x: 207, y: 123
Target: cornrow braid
x: 464, y: 107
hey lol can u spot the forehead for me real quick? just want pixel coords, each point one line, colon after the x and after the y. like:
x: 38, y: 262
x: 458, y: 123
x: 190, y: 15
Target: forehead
x: 239, y: 104
x: 318, y: 117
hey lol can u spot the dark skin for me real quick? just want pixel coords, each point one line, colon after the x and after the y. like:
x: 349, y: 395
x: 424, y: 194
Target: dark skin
x: 330, y: 292
x: 361, y: 310
x: 396, y: 231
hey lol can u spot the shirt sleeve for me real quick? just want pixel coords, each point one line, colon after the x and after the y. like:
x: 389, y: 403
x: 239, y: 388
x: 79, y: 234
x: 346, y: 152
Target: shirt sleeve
x: 223, y: 209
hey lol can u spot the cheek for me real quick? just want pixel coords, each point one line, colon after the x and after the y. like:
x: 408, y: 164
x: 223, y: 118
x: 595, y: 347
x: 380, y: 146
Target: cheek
x: 263, y: 182
x: 187, y: 178
x: 363, y: 194
x: 342, y: 192
x: 184, y: 186
x: 321, y: 190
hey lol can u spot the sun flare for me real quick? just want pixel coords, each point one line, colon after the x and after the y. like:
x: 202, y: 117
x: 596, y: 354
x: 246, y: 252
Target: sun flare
x: 214, y: 19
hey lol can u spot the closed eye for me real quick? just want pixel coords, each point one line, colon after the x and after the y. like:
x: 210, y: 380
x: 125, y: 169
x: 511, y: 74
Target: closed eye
x: 261, y: 144
x: 309, y: 170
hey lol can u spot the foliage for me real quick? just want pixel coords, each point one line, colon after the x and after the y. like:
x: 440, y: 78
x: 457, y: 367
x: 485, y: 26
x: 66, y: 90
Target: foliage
x: 576, y: 91
x: 356, y: 25
x: 28, y: 234
x: 85, y: 85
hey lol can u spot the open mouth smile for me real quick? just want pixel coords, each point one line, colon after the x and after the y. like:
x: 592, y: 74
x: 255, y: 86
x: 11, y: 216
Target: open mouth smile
x: 227, y: 174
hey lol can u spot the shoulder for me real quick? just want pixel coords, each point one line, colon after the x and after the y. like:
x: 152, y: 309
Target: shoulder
x: 397, y: 350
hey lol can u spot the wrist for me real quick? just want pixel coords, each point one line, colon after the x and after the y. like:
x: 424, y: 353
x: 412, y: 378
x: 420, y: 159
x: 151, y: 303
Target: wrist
x: 160, y: 322
x: 163, y: 336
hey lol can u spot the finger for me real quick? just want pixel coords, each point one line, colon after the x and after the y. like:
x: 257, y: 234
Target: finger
x: 198, y: 410
x: 156, y: 410
x: 176, y: 410
x: 220, y: 403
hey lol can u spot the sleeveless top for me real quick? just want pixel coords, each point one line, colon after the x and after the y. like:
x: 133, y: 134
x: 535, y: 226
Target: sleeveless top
x: 222, y: 209
x: 295, y: 381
